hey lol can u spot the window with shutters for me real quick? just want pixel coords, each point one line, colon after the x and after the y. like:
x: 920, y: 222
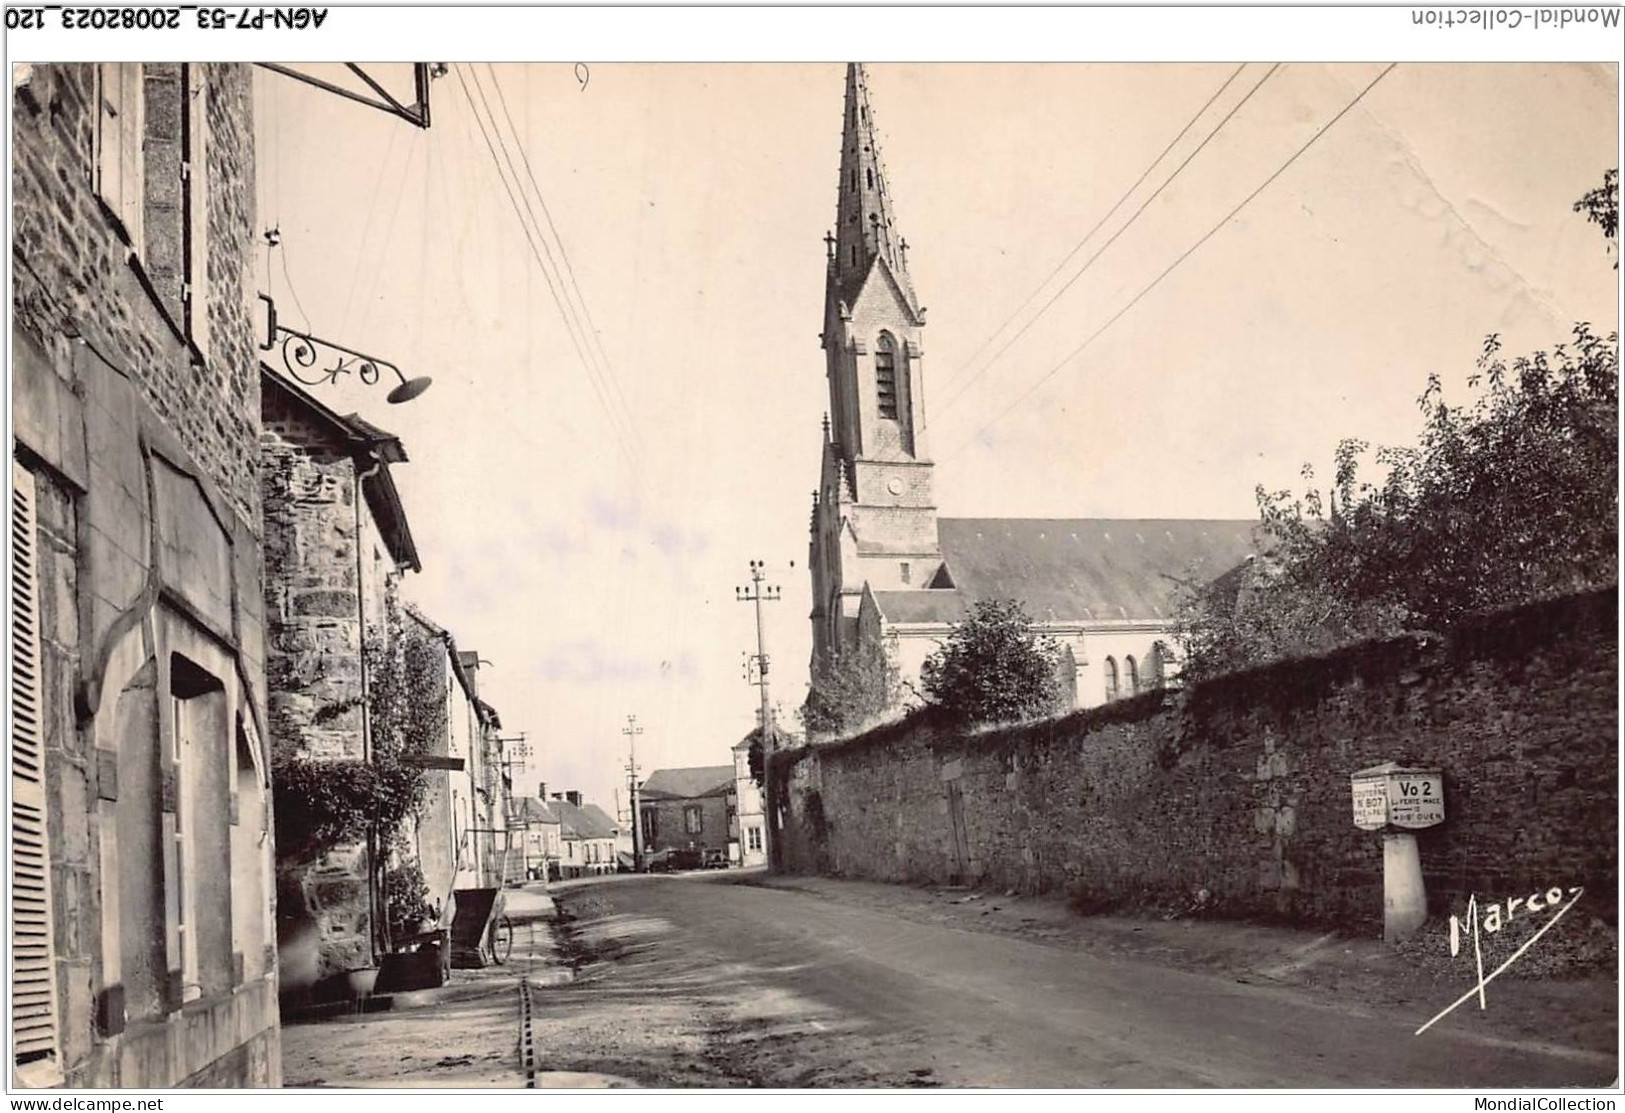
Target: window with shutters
x: 117, y: 166
x: 33, y: 977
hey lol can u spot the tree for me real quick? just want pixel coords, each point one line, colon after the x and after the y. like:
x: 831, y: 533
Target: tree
x: 1506, y: 500
x: 1601, y: 207
x: 994, y: 667
x: 850, y: 690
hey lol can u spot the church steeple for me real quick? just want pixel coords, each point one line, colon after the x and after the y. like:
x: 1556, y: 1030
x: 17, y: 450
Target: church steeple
x: 864, y: 228
x: 874, y: 521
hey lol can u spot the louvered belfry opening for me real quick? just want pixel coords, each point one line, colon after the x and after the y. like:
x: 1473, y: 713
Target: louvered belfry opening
x: 33, y: 976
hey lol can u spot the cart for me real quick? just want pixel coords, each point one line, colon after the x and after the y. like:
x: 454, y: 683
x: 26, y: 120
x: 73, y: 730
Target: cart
x: 481, y: 935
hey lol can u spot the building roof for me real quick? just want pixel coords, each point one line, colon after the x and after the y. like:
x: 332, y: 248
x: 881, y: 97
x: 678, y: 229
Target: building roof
x: 587, y: 822
x: 688, y: 784
x: 601, y: 821
x: 367, y: 445
x: 1072, y: 569
x: 531, y: 809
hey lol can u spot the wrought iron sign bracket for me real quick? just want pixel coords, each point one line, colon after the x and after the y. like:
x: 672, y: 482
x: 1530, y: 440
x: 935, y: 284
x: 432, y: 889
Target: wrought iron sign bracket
x: 312, y: 361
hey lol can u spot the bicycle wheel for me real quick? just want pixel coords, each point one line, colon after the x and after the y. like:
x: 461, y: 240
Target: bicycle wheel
x: 501, y: 939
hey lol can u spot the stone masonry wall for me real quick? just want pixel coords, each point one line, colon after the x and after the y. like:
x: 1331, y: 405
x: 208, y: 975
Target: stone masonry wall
x: 1240, y: 786
x: 142, y: 440
x: 313, y: 615
x: 72, y: 277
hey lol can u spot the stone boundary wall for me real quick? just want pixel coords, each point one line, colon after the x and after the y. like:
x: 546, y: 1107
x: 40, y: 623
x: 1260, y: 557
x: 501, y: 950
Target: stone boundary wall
x: 1240, y: 785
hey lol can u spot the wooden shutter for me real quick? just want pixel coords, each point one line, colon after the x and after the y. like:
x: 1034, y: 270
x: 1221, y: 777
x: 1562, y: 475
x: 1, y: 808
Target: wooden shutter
x: 33, y: 985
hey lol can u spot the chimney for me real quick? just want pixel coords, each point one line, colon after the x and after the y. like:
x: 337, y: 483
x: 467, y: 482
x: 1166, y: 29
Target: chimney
x: 541, y: 791
x: 558, y: 796
x: 574, y: 798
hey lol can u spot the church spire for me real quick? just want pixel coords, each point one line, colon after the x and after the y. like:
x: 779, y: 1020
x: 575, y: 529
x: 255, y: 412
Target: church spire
x: 864, y: 227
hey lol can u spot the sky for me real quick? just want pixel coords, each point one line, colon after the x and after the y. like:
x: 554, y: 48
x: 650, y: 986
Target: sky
x: 585, y: 532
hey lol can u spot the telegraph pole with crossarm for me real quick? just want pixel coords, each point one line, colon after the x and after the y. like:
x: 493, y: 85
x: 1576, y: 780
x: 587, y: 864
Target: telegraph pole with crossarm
x: 759, y: 593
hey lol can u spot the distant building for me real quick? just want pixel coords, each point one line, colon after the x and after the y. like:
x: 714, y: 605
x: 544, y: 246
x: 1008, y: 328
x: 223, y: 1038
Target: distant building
x: 885, y: 568
x: 143, y: 938
x: 587, y: 836
x: 542, y: 844
x: 750, y: 819
x: 460, y: 833
x: 689, y: 809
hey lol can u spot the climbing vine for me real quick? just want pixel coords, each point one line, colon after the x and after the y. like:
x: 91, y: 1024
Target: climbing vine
x: 322, y: 804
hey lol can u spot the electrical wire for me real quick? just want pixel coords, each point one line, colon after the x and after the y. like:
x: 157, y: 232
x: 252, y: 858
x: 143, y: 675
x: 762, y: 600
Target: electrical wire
x: 1155, y: 282
x: 619, y: 419
x: 1070, y: 255
x: 571, y: 324
x: 945, y: 406
x: 569, y: 270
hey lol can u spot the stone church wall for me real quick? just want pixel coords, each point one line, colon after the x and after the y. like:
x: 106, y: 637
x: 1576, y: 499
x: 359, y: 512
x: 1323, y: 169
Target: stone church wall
x: 1240, y: 786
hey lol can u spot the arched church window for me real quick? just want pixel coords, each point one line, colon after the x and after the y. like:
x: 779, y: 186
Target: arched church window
x: 1111, y: 679
x: 1131, y: 677
x: 886, y: 376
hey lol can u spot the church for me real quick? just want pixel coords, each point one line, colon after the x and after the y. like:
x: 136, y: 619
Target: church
x: 885, y: 568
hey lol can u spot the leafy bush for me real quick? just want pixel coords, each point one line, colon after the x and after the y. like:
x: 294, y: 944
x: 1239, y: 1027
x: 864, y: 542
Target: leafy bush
x: 851, y: 690
x: 994, y: 667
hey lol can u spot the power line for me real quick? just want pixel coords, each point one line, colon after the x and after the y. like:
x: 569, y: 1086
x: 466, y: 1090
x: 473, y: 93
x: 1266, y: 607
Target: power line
x: 1155, y: 282
x: 603, y: 383
x: 1129, y: 223
x: 570, y: 323
x: 1070, y: 255
x: 569, y: 270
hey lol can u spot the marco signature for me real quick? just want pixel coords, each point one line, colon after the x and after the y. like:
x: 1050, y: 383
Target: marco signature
x: 1550, y: 902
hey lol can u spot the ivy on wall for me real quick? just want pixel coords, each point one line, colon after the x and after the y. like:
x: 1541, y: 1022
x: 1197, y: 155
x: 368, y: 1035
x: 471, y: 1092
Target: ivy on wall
x: 323, y: 804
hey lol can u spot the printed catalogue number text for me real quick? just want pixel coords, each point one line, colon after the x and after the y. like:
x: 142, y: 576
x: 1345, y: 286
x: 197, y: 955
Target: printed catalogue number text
x: 258, y: 19
x: 166, y: 19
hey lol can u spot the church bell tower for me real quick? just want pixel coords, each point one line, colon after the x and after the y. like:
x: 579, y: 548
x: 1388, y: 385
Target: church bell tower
x: 874, y: 518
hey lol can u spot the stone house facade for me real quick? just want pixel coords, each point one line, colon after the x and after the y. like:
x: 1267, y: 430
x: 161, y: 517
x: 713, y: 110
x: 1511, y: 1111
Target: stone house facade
x: 689, y: 809
x: 336, y: 538
x: 143, y: 924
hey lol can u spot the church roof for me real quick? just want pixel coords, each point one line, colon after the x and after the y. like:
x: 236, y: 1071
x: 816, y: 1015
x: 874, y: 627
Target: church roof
x: 687, y: 784
x: 1070, y: 569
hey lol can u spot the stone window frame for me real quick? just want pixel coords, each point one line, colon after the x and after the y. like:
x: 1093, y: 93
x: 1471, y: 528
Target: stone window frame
x: 1112, y: 682
x: 693, y: 819
x: 1131, y: 675
x: 754, y: 835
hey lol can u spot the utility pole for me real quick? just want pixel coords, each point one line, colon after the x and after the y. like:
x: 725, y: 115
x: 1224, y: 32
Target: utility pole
x: 759, y: 593
x: 632, y: 730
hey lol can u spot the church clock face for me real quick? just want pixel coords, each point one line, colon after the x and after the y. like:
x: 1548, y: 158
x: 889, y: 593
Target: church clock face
x: 894, y: 485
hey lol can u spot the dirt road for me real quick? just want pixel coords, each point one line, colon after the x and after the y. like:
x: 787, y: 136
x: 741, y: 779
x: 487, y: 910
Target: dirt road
x: 704, y: 981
